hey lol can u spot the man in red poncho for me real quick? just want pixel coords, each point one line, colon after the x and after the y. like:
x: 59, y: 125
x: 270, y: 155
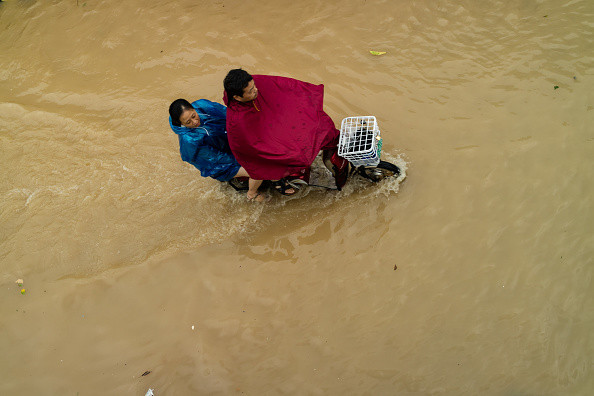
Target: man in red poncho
x: 277, y: 126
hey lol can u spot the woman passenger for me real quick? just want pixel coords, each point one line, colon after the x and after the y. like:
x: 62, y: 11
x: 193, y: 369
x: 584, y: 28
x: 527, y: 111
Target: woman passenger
x: 203, y: 142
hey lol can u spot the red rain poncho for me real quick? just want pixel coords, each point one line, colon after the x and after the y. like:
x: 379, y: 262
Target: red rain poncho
x: 282, y: 131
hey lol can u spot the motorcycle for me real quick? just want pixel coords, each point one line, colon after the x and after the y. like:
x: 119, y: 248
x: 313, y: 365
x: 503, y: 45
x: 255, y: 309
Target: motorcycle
x: 358, y: 153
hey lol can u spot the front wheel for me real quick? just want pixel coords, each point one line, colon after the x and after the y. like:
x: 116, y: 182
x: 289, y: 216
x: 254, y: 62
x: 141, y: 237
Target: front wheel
x: 378, y: 173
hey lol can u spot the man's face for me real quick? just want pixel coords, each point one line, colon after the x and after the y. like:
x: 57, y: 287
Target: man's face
x: 189, y: 118
x: 249, y: 93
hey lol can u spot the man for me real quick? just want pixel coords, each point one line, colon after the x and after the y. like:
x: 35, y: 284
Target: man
x: 277, y: 126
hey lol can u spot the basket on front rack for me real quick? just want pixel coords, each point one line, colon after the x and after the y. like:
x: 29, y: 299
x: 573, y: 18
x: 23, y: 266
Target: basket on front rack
x: 360, y: 142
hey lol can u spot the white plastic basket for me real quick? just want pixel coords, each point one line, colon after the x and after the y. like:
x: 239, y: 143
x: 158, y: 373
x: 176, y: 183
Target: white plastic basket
x: 360, y: 141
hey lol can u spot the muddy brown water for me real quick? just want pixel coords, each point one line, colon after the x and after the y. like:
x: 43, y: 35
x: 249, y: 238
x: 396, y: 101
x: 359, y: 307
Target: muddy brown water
x: 132, y: 262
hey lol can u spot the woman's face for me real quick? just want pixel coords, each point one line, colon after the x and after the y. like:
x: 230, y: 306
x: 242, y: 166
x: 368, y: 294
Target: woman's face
x: 189, y: 118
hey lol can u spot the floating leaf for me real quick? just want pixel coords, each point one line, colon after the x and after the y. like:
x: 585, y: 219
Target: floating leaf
x: 22, y: 291
x: 377, y: 52
x: 556, y: 87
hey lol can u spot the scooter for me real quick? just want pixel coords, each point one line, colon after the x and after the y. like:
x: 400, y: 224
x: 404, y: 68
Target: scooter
x: 358, y: 153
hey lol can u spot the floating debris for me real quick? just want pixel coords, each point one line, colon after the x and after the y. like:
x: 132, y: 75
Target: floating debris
x: 377, y: 52
x: 145, y: 373
x: 19, y: 282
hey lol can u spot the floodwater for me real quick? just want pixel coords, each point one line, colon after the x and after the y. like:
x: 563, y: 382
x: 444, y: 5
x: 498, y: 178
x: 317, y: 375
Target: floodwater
x: 472, y: 276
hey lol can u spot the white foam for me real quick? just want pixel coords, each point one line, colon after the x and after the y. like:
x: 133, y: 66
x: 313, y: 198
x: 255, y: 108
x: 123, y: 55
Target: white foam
x: 318, y: 196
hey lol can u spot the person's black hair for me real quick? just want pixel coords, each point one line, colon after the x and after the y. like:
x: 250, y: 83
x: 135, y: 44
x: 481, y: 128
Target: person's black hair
x: 177, y: 108
x: 235, y: 81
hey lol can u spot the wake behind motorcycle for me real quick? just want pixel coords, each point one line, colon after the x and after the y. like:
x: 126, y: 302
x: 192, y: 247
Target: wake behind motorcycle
x: 360, y: 144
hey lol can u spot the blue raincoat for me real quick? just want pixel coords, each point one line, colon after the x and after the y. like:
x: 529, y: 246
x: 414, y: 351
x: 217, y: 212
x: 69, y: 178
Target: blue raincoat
x: 207, y: 147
